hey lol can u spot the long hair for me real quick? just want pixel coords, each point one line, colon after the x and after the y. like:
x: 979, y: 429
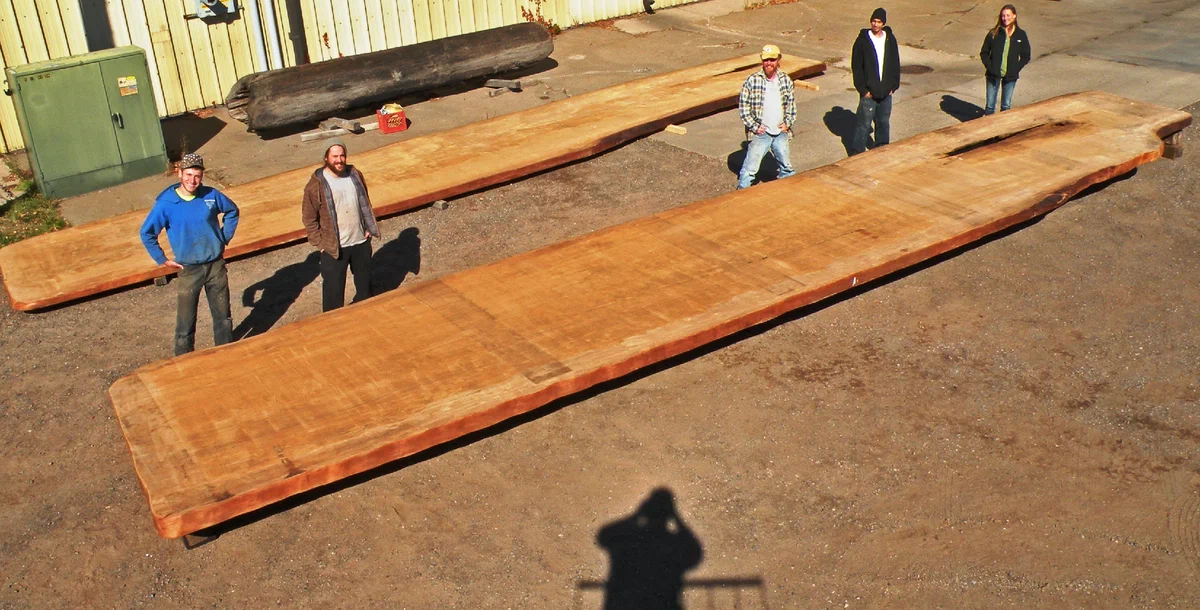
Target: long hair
x: 1000, y: 24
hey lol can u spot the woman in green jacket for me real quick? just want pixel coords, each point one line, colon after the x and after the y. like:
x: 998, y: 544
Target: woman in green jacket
x: 1005, y: 51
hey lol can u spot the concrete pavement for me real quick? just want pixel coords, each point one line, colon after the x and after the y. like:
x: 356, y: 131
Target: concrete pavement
x: 1149, y: 53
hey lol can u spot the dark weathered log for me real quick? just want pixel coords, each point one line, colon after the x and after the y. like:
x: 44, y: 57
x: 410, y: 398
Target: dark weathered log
x: 312, y: 92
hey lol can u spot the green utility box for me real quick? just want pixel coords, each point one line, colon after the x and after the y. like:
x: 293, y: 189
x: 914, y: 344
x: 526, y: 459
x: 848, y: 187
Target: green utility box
x: 89, y: 121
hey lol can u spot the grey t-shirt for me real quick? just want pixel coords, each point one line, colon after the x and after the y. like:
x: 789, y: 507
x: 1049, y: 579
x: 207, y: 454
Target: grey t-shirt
x: 345, y: 202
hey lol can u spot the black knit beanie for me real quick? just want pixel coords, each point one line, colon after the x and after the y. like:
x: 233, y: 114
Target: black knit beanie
x: 879, y: 14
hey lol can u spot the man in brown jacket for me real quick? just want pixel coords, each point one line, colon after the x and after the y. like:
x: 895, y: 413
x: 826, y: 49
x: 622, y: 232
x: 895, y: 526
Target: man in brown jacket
x: 340, y: 223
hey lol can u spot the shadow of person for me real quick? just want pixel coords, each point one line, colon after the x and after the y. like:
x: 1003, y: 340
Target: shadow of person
x: 960, y: 109
x: 649, y: 551
x: 768, y: 170
x: 395, y: 260
x: 840, y: 122
x: 278, y: 293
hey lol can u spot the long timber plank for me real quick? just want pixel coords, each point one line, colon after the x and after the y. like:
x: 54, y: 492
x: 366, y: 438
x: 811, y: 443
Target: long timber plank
x: 107, y: 254
x: 224, y: 431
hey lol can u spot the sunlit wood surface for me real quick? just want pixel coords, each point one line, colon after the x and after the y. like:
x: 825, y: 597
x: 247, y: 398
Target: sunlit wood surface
x: 223, y: 431
x: 107, y: 254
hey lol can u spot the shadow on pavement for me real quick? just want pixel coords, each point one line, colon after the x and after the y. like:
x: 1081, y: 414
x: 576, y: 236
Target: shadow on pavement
x: 395, y: 260
x: 840, y: 122
x: 278, y: 293
x: 960, y: 109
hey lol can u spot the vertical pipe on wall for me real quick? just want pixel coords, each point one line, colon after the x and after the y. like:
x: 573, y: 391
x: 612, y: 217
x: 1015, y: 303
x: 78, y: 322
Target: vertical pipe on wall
x: 260, y: 47
x: 273, y: 32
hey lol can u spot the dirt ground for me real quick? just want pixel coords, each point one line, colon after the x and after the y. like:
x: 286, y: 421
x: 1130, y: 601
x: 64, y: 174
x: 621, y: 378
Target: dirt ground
x: 1015, y: 425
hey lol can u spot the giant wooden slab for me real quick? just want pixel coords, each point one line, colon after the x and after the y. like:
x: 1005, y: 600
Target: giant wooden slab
x: 107, y: 254
x: 220, y: 432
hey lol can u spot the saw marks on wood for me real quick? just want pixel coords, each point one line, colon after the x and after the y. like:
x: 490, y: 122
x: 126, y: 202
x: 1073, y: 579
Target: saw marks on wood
x: 218, y: 433
x: 108, y: 254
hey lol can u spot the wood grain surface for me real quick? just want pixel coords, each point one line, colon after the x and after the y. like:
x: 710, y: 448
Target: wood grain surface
x: 108, y: 254
x: 221, y: 432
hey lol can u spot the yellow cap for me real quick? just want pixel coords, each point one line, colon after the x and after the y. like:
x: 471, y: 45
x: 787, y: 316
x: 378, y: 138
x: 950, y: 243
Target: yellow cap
x: 770, y: 52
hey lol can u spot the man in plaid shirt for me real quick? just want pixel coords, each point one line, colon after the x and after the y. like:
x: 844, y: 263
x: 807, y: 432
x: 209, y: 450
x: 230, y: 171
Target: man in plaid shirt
x: 767, y: 105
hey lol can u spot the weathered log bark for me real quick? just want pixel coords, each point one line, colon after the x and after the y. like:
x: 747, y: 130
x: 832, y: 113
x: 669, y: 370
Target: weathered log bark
x: 269, y: 100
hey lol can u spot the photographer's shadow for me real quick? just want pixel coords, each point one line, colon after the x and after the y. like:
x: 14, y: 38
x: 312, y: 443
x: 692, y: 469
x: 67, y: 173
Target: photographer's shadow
x: 649, y: 552
x: 278, y: 293
x: 392, y: 263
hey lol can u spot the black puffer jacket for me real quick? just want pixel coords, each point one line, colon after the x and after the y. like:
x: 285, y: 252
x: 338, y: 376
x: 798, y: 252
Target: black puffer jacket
x: 865, y: 65
x: 992, y: 53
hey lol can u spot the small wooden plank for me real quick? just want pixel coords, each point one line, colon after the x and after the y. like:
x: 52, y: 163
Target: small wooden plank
x: 107, y: 254
x: 806, y: 85
x: 30, y: 26
x: 52, y: 28
x: 337, y: 132
x: 503, y: 339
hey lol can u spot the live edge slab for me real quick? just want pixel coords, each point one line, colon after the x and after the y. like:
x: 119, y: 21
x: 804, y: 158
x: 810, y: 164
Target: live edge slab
x: 224, y: 431
x: 104, y: 255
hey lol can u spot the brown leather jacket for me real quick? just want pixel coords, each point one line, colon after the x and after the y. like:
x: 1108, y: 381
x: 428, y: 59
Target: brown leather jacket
x: 317, y: 211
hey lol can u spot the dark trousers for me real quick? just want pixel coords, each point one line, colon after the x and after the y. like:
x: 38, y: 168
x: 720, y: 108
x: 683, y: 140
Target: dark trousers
x: 213, y: 278
x: 333, y: 275
x: 871, y: 110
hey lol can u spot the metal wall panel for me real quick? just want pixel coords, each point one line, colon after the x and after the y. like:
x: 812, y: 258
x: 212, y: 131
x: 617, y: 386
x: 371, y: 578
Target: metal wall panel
x: 194, y: 62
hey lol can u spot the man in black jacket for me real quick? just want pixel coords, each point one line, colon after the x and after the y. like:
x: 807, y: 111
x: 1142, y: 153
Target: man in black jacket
x: 875, y: 61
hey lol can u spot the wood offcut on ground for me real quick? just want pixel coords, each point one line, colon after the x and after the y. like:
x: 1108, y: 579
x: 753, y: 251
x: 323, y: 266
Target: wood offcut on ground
x: 221, y: 432
x: 108, y: 254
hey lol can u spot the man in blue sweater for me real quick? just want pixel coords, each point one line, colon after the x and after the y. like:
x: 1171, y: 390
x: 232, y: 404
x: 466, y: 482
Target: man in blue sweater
x: 189, y: 212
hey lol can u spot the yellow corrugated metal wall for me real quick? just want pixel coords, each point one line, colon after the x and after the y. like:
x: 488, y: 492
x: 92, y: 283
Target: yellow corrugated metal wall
x: 194, y: 62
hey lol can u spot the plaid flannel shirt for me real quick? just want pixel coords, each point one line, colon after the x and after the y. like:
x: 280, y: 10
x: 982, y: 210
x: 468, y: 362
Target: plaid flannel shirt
x: 750, y: 102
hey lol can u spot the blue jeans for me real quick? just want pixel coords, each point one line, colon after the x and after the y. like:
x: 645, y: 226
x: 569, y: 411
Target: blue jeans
x: 1006, y: 92
x: 757, y: 149
x: 871, y: 110
x: 213, y: 278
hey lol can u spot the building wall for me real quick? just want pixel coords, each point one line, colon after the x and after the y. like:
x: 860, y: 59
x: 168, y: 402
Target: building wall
x: 194, y: 62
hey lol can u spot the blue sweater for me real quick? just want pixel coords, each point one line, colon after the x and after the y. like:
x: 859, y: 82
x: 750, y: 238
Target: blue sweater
x: 192, y: 228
